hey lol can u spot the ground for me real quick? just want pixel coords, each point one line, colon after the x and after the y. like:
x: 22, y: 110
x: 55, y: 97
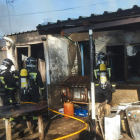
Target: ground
x: 58, y: 127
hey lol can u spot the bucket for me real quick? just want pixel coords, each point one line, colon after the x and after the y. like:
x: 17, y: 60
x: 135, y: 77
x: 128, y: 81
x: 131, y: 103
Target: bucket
x: 61, y: 110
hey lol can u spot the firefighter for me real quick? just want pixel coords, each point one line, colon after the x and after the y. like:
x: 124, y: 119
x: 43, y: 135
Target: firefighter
x: 34, y: 82
x: 8, y: 82
x: 31, y: 80
x: 104, y: 80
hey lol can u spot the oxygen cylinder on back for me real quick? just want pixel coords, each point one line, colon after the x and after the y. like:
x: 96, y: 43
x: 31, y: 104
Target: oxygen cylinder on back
x: 24, y: 80
x: 103, y: 78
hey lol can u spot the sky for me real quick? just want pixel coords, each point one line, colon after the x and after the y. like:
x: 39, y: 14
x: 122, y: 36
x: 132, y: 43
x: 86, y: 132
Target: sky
x: 25, y: 15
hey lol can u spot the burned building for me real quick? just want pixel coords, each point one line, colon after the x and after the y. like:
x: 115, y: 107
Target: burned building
x: 51, y: 55
x: 56, y: 51
x: 66, y: 56
x: 114, y: 32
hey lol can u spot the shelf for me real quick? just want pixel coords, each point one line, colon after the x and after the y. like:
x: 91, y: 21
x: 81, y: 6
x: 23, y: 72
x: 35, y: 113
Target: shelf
x: 79, y: 102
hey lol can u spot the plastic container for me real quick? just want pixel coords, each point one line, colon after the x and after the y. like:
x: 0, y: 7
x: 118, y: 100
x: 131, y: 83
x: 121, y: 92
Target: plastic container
x: 75, y: 111
x: 61, y: 110
x: 83, y: 112
x: 69, y: 109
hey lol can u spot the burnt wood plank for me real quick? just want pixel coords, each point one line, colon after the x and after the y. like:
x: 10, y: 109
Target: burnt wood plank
x: 20, y: 110
x: 40, y: 127
x: 8, y: 129
x: 36, y: 135
x: 29, y: 125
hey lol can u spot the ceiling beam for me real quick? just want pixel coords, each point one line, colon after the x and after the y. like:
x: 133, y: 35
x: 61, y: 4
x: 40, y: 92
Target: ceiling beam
x: 102, y: 25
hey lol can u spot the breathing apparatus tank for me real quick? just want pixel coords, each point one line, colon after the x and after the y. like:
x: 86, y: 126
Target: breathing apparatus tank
x: 103, y: 78
x: 24, y: 80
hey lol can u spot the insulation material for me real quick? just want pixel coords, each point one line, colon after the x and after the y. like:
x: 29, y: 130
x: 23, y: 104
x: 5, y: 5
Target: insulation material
x: 124, y: 96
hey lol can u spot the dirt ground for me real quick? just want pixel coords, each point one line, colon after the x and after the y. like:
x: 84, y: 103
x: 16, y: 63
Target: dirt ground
x: 55, y: 128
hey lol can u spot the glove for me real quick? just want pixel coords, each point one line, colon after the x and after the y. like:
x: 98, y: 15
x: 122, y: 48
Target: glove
x: 113, y: 90
x: 15, y: 74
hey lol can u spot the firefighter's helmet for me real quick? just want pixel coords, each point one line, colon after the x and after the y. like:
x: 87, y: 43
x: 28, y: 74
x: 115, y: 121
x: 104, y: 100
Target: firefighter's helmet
x: 6, y: 64
x: 30, y: 62
x: 101, y: 57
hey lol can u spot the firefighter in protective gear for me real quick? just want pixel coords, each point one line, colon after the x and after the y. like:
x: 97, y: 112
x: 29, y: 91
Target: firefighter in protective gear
x: 33, y: 81
x: 104, y: 80
x: 8, y: 81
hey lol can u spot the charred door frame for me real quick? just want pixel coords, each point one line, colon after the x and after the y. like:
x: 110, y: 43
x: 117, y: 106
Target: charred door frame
x: 125, y: 57
x: 16, y: 54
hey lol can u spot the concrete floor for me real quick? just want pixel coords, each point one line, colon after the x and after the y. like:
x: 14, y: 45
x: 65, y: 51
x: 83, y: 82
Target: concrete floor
x: 58, y: 127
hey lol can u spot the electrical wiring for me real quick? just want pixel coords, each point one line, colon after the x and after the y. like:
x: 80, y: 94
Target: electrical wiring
x: 67, y: 136
x: 59, y: 10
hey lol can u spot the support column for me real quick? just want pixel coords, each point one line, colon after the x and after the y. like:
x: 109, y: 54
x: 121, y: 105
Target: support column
x: 40, y: 127
x: 92, y: 101
x: 29, y: 125
x: 8, y: 129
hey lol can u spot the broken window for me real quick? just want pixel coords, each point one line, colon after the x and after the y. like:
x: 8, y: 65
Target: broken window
x: 133, y: 63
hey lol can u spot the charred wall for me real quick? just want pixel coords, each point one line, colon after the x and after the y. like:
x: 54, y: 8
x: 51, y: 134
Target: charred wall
x: 103, y: 39
x: 62, y: 52
x: 113, y: 38
x: 58, y: 63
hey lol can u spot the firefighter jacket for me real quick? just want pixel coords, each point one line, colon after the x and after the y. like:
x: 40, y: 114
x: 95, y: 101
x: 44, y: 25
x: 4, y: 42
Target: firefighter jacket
x: 8, y: 80
x: 35, y: 79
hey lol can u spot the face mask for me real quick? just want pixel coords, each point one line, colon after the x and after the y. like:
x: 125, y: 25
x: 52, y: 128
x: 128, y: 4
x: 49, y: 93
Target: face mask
x: 2, y: 67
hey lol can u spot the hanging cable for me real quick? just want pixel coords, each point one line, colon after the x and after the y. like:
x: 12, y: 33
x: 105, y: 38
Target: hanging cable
x: 9, y: 16
x: 59, y: 10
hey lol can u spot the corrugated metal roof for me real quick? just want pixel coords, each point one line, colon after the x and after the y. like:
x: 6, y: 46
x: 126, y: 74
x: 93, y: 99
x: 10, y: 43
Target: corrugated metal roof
x: 81, y: 20
x: 75, y: 81
x: 21, y: 32
x: 93, y: 18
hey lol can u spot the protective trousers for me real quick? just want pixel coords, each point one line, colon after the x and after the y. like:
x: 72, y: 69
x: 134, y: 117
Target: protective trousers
x: 9, y: 98
x: 32, y: 96
x: 103, y: 94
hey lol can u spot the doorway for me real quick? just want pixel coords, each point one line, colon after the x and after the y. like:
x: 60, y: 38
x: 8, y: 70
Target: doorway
x: 116, y: 61
x: 33, y: 50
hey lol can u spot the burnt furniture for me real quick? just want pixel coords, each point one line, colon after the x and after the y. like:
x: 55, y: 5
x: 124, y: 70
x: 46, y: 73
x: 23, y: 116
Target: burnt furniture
x: 23, y: 110
x: 75, y: 89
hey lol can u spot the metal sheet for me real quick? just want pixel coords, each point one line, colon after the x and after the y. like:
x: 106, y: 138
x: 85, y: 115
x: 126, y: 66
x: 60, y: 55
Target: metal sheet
x: 103, y: 25
x: 133, y: 117
x: 75, y: 81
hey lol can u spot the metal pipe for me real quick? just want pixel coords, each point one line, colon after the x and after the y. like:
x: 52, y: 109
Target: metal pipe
x: 82, y: 59
x: 92, y: 104
x: 91, y: 55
